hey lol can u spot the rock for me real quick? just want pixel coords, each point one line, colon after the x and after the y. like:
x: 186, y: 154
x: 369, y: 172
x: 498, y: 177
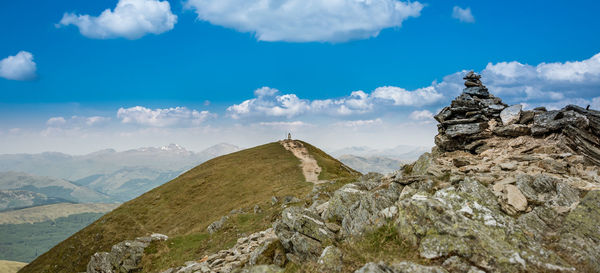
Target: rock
x: 389, y: 213
x: 455, y: 264
x: 270, y: 252
x: 375, y: 268
x: 508, y: 166
x: 217, y: 225
x: 580, y: 234
x: 409, y: 267
x: 124, y: 257
x: 330, y: 260
x: 333, y: 226
x: 460, y: 162
x: 513, y: 130
x: 460, y: 130
x: 477, y: 91
x: 274, y: 200
x: 401, y: 267
x: 526, y: 117
x: 101, y: 262
x: 515, y: 198
x: 290, y: 199
x: 257, y: 209
x: 261, y: 269
x: 511, y: 115
x: 307, y: 223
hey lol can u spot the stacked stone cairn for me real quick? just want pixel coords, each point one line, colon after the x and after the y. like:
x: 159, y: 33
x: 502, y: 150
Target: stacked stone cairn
x: 477, y: 115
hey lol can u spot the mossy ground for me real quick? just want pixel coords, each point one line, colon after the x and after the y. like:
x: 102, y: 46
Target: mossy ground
x: 184, y: 207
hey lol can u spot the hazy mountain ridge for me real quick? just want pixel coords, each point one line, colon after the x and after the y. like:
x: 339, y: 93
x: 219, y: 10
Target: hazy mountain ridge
x: 102, y: 176
x: 367, y: 164
x: 400, y: 152
x: 50, y: 187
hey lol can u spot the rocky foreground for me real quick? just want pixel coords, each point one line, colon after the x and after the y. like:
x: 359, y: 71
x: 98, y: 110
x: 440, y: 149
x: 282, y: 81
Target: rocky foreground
x: 504, y: 190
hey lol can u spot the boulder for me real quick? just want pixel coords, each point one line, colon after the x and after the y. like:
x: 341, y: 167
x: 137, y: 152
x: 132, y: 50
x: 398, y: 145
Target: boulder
x: 261, y: 269
x: 124, y: 257
x: 511, y: 115
x: 270, y: 252
x: 217, y: 225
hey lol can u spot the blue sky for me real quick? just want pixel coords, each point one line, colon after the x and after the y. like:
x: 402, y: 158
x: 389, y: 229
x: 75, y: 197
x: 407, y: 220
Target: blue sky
x: 201, y: 57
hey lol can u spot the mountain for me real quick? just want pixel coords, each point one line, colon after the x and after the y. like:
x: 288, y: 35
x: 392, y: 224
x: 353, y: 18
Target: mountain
x: 16, y: 199
x: 400, y: 152
x: 119, y: 175
x: 378, y: 164
x: 184, y: 207
x: 75, y: 167
x: 44, y: 190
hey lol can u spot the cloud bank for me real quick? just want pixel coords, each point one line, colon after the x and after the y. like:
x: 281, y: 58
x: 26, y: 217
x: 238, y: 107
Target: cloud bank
x: 131, y: 19
x: 167, y: 117
x: 20, y: 67
x: 307, y: 20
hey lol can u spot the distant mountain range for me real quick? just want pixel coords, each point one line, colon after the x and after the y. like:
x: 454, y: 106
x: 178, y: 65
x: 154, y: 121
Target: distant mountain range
x: 99, y: 177
x: 366, y: 159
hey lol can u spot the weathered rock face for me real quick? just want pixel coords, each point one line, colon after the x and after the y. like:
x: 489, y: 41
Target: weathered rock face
x: 124, y: 257
x: 476, y: 116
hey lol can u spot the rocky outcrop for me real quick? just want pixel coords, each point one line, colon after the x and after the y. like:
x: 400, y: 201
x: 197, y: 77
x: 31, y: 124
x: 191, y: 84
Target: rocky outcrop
x: 251, y: 252
x: 124, y: 257
x: 477, y: 115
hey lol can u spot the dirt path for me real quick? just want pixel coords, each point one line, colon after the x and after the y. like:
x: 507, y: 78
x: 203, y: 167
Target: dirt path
x: 309, y: 165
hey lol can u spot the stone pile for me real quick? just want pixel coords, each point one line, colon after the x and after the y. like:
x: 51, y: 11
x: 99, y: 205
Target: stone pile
x: 476, y: 115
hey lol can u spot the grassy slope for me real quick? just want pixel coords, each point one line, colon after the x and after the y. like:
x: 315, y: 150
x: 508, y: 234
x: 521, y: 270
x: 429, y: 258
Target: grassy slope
x: 184, y: 207
x: 10, y: 267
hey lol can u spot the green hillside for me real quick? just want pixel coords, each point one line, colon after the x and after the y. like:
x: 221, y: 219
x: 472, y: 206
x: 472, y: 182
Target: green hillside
x: 184, y: 207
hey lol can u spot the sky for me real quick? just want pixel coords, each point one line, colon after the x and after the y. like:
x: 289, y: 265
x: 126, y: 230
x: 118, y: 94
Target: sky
x: 80, y: 76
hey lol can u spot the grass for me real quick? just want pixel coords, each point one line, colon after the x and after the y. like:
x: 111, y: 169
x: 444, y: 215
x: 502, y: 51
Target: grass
x: 184, y: 207
x: 383, y: 244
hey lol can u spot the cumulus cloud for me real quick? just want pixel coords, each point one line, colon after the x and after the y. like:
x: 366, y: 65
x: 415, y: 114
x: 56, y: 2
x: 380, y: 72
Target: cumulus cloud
x: 546, y: 81
x: 130, y: 19
x: 167, y: 117
x: 269, y: 102
x: 421, y: 115
x: 285, y: 124
x: 463, y: 15
x: 307, y: 20
x: 403, y: 97
x: 20, y: 67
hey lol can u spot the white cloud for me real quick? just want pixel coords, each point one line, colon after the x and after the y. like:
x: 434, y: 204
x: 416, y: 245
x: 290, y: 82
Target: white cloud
x: 595, y: 103
x: 285, y: 124
x: 19, y: 67
x: 268, y: 103
x: 56, y: 121
x: 95, y: 120
x: 130, y: 19
x: 544, y: 82
x: 359, y: 123
x: 403, y: 97
x: 421, y: 115
x: 463, y: 15
x: 178, y: 116
x: 307, y: 20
